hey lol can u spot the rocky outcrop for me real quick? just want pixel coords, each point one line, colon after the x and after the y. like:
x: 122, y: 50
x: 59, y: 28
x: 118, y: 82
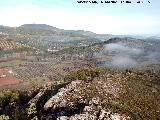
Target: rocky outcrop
x: 59, y: 99
x: 94, y: 112
x: 41, y: 93
x: 79, y: 100
x: 60, y: 106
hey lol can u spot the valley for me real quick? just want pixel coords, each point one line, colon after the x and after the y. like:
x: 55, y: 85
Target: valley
x: 51, y: 73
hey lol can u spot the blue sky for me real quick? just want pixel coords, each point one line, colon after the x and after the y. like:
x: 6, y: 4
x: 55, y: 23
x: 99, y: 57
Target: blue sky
x: 110, y: 18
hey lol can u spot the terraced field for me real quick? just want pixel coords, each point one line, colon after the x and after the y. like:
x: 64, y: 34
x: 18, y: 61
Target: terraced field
x: 6, y: 45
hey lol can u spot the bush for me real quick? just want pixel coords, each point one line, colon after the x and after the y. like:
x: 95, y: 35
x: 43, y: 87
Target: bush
x: 20, y: 114
x: 4, y: 117
x: 31, y: 110
x: 82, y: 74
x: 7, y: 97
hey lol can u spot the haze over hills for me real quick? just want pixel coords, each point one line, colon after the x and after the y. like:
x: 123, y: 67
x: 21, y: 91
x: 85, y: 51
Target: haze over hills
x: 47, y: 30
x: 45, y: 27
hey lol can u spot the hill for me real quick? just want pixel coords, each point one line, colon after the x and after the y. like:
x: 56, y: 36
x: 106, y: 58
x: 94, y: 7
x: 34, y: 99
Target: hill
x: 51, y: 73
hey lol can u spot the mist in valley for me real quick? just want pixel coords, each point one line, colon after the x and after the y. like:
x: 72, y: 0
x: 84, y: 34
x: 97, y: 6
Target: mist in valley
x: 125, y: 57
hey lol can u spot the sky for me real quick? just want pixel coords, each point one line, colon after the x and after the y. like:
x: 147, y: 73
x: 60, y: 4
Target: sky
x: 102, y: 18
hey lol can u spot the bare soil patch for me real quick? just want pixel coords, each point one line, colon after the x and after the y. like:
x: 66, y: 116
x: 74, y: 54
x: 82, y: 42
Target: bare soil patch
x: 8, y: 81
x: 7, y: 78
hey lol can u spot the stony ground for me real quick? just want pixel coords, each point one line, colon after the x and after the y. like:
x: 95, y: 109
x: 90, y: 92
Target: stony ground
x: 109, y: 95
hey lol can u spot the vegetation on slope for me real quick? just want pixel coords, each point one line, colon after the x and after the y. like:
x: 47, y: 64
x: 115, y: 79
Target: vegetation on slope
x: 134, y: 93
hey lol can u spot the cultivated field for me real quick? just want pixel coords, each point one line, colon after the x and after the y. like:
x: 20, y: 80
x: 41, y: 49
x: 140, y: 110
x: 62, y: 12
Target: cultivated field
x: 7, y: 77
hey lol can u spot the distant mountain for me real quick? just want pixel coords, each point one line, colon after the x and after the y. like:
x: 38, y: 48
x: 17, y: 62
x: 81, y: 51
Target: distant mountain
x: 54, y: 33
x: 39, y: 27
x: 153, y: 38
x: 5, y: 29
x: 31, y: 29
x: 82, y: 32
x: 46, y: 36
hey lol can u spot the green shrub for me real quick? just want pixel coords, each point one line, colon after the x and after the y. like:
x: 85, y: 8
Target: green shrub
x: 31, y: 110
x: 82, y: 74
x: 4, y: 117
x: 9, y: 96
x: 20, y: 114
